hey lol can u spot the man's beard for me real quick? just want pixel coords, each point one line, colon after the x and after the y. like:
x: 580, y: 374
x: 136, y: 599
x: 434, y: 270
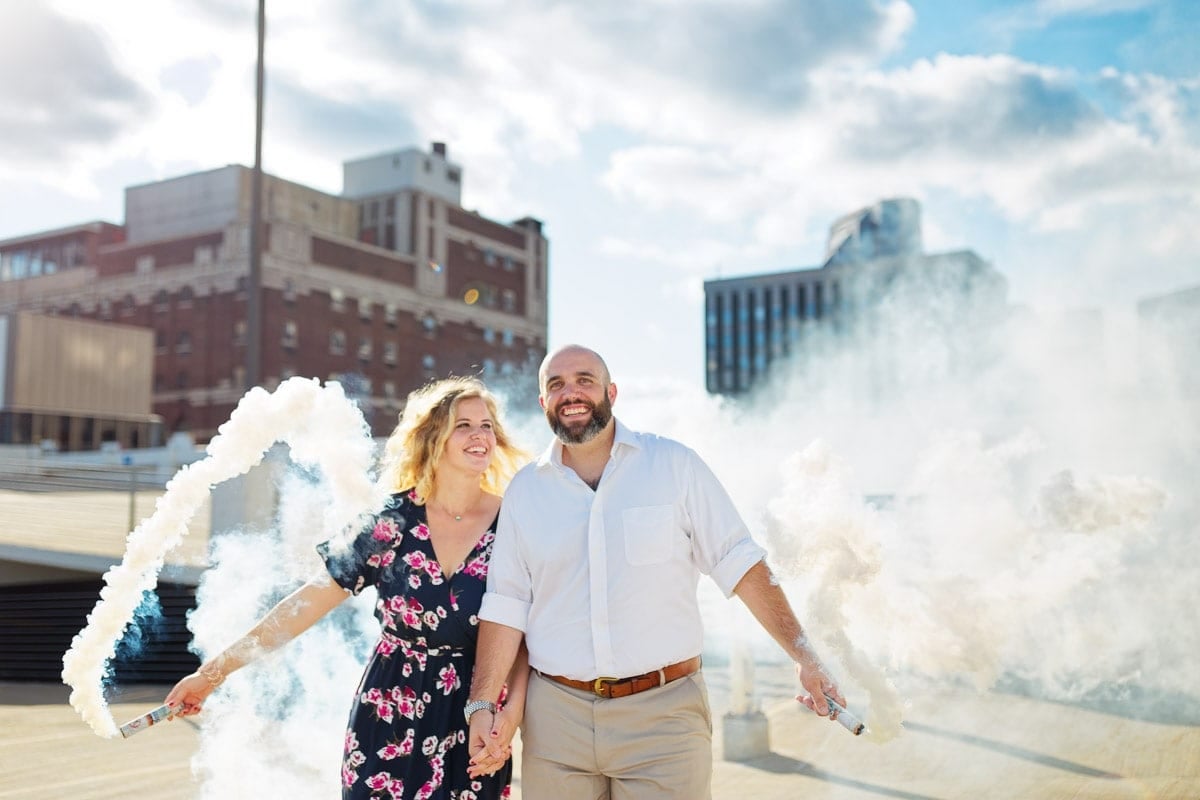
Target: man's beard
x: 601, y: 415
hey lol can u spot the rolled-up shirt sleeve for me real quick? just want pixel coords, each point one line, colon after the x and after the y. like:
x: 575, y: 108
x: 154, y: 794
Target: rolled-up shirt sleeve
x: 722, y: 546
x: 509, y: 593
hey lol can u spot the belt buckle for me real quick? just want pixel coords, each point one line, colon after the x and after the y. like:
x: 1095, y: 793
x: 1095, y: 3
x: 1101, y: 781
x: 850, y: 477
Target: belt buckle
x: 598, y: 685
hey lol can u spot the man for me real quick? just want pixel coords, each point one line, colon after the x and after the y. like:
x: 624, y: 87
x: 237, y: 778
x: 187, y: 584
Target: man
x: 596, y: 561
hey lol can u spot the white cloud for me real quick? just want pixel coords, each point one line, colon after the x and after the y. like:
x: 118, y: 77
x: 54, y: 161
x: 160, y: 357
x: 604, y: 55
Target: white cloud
x: 1049, y: 9
x: 724, y: 133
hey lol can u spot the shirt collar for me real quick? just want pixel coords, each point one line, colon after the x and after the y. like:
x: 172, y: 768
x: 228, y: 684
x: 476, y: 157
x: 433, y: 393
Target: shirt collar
x: 552, y: 455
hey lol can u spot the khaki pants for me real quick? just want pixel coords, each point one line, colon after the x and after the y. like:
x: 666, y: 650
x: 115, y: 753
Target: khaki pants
x: 655, y: 745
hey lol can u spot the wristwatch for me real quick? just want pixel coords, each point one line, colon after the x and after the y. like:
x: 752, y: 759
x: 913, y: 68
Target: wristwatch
x: 477, y: 705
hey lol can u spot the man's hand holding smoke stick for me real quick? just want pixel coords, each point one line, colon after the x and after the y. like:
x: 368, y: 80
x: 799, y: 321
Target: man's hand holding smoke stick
x: 817, y: 682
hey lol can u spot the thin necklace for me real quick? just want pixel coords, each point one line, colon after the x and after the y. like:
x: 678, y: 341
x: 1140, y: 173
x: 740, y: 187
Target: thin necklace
x: 458, y: 517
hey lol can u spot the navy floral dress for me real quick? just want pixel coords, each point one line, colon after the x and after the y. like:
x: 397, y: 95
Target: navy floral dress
x: 407, y: 737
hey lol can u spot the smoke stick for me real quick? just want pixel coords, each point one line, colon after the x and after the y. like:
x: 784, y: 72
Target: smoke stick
x: 146, y: 720
x: 845, y: 718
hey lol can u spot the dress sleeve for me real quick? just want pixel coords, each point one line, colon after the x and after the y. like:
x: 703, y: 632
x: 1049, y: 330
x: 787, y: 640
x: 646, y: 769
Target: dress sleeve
x: 356, y: 558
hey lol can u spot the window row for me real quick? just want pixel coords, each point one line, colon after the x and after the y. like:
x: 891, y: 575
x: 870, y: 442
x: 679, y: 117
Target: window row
x: 338, y: 302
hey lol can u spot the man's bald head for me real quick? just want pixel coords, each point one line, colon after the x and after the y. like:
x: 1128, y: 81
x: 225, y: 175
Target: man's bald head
x: 572, y: 352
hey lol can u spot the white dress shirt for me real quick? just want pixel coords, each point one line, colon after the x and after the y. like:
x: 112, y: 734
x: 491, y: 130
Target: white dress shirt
x: 604, y: 583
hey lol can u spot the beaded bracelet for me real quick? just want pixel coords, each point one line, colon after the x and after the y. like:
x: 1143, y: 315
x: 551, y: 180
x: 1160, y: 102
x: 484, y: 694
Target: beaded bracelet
x: 211, y: 674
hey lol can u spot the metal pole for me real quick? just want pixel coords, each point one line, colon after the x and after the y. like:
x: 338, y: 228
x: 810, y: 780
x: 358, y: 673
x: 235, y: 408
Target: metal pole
x: 254, y: 324
x: 132, y: 496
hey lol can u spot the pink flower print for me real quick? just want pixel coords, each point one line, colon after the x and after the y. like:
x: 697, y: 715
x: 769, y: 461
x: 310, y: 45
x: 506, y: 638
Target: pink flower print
x: 441, y: 612
x: 421, y: 531
x: 351, y: 740
x: 477, y: 568
x: 356, y: 759
x: 385, y: 712
x: 349, y: 776
x: 426, y: 696
x: 395, y: 788
x: 416, y: 559
x: 431, y: 620
x: 429, y: 745
x: 386, y: 646
x: 372, y: 696
x: 506, y: 793
x: 383, y: 559
x: 396, y: 603
x: 473, y: 619
x: 406, y: 670
x: 389, y: 751
x: 412, y: 618
x: 385, y: 530
x: 468, y: 794
x: 406, y: 705
x: 448, y: 679
x: 406, y: 746
x: 420, y: 708
x: 453, y: 600
x: 414, y: 580
x: 379, y: 781
x: 425, y: 792
x: 433, y: 569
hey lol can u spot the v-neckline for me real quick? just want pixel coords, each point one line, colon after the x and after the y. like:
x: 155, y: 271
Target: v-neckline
x: 459, y: 566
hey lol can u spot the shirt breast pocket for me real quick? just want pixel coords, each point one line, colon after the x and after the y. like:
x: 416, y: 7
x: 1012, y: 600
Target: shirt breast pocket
x: 649, y: 534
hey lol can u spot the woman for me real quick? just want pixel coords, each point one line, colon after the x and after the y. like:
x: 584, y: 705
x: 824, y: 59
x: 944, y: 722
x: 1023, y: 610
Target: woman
x: 426, y: 553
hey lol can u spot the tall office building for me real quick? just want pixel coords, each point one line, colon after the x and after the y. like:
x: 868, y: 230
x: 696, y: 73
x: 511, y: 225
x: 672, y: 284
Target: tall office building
x: 385, y: 286
x: 875, y: 275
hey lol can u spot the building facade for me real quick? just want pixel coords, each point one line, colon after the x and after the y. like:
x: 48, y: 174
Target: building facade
x: 75, y: 384
x: 383, y: 287
x: 875, y: 275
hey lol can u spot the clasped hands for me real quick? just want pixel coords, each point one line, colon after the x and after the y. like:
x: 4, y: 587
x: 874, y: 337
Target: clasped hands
x: 489, y: 740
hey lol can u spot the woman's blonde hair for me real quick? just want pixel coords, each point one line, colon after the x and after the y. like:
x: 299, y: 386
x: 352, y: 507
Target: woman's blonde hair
x: 413, y: 449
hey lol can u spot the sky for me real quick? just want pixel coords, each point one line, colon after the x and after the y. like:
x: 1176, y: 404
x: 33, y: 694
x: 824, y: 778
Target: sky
x: 662, y: 142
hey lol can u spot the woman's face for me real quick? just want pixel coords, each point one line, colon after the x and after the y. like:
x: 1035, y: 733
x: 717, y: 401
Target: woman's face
x: 473, y: 437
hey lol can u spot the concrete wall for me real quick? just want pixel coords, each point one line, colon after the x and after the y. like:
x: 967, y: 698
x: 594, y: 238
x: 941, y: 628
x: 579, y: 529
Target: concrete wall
x: 213, y: 200
x: 204, y: 201
x: 410, y: 168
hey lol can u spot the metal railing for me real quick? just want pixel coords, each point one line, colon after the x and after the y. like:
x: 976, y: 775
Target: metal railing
x: 38, y: 475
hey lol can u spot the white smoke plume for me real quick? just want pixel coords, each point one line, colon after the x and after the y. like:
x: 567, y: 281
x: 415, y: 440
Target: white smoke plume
x: 321, y: 426
x: 1024, y: 522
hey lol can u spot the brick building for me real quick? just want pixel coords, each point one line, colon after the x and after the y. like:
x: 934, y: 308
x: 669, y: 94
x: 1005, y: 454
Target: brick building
x: 383, y: 287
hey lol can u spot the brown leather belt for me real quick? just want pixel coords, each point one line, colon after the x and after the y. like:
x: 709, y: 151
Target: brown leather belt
x: 623, y: 687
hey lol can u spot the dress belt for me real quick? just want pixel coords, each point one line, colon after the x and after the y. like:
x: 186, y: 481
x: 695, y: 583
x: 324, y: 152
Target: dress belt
x: 624, y: 687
